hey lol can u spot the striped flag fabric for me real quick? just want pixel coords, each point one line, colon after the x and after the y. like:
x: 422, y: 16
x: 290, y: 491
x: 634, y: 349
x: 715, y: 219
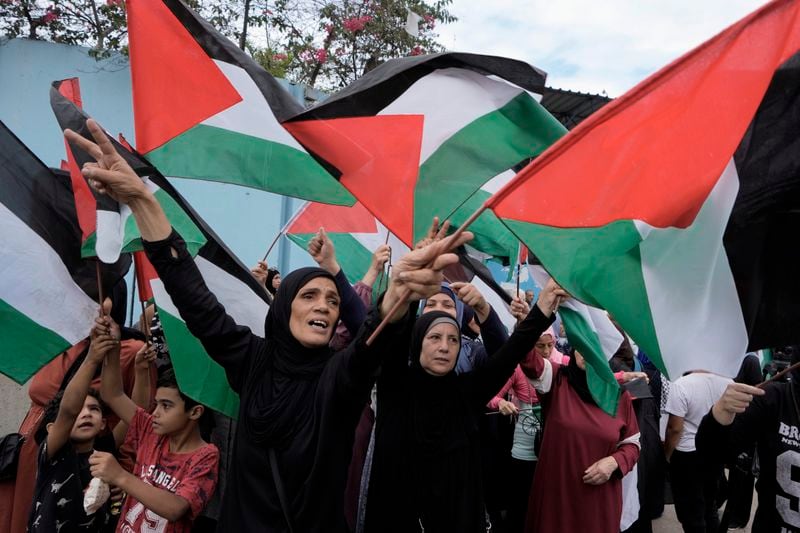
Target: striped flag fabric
x: 48, y: 292
x: 199, y: 376
x: 471, y: 269
x: 417, y: 136
x: 590, y: 332
x: 114, y: 230
x: 204, y: 109
x: 145, y: 273
x: 354, y: 231
x: 678, y: 202
x: 492, y: 237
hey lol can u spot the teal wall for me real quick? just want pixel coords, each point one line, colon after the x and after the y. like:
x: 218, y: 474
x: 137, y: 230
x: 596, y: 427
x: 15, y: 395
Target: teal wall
x: 247, y: 220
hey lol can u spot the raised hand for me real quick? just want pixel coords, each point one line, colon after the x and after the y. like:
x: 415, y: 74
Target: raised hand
x: 435, y: 233
x: 380, y: 257
x: 260, y: 272
x: 145, y: 357
x: 550, y: 297
x: 519, y: 308
x: 420, y: 271
x: 734, y: 400
x: 323, y: 252
x: 470, y: 295
x: 111, y: 174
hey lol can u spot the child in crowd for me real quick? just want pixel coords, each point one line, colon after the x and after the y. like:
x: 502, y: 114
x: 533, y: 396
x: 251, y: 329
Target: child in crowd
x: 176, y: 470
x: 69, y: 434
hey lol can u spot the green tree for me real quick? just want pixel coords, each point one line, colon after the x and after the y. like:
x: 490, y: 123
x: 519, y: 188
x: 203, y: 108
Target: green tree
x: 99, y: 26
x: 331, y: 43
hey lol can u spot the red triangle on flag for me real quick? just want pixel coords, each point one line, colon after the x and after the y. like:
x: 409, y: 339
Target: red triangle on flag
x: 176, y: 85
x: 144, y: 273
x: 85, y: 204
x: 378, y: 157
x: 335, y: 219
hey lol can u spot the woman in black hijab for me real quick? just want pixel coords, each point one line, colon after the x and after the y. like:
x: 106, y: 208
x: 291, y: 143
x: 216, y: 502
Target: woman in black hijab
x: 426, y: 472
x: 299, y: 402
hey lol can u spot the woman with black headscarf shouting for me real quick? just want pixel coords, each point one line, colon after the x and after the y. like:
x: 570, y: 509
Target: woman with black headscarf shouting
x: 426, y: 471
x: 299, y: 401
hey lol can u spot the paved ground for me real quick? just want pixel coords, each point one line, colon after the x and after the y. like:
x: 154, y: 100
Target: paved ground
x: 668, y: 523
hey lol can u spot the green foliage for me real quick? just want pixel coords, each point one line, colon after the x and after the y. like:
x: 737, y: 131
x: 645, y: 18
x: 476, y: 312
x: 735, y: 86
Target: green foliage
x: 326, y: 44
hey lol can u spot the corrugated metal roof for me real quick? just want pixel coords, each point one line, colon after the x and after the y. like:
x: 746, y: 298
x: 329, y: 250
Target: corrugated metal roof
x: 571, y: 107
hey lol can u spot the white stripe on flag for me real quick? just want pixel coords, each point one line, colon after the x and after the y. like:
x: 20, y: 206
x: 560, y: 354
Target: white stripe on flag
x: 450, y: 99
x: 37, y: 284
x: 241, y: 303
x: 691, y: 291
x: 252, y: 115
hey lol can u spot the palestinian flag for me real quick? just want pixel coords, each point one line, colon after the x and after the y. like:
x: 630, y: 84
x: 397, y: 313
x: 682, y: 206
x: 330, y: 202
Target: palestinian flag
x: 355, y: 234
x: 114, y: 230
x: 204, y: 109
x: 199, y: 376
x: 145, y: 273
x: 678, y: 202
x: 471, y: 269
x: 417, y: 136
x: 48, y: 293
x: 592, y: 333
x: 491, y: 235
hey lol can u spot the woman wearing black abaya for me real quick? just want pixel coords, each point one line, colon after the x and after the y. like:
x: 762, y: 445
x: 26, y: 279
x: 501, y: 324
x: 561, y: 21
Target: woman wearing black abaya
x: 426, y: 471
x: 297, y: 398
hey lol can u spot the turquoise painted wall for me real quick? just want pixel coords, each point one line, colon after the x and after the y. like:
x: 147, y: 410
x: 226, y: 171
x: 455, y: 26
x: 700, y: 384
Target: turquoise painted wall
x: 247, y: 220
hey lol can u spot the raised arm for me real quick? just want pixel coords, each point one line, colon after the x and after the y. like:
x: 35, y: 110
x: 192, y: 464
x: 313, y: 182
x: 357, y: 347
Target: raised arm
x: 737, y: 420
x: 485, y: 381
x: 75, y: 392
x: 353, y: 310
x: 205, y: 317
x: 493, y: 332
x: 380, y: 257
x: 111, y: 390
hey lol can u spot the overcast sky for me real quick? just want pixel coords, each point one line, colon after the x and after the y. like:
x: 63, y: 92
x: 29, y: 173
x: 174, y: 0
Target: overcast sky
x: 590, y: 46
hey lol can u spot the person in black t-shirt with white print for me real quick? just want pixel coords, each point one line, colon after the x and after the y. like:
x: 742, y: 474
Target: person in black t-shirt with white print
x: 768, y: 418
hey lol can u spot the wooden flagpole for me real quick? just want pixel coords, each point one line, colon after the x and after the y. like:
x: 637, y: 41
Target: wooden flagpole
x: 406, y: 293
x: 100, y: 295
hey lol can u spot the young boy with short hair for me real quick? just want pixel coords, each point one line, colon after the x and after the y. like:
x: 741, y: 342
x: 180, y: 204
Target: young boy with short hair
x: 176, y: 470
x: 68, y: 434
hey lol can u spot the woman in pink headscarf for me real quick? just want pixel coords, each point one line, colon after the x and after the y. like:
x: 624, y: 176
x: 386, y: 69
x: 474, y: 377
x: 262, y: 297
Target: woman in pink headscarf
x: 525, y: 407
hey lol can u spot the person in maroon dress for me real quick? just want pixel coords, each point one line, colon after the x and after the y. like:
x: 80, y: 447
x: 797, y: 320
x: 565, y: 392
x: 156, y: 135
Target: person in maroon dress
x: 584, y: 454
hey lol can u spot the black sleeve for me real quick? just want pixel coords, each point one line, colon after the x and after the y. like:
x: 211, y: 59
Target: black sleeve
x: 353, y: 310
x: 718, y: 444
x: 483, y: 383
x: 227, y: 343
x: 493, y: 333
x: 360, y: 363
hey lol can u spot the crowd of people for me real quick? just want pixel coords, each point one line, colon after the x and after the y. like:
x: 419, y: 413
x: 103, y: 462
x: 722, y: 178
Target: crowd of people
x: 446, y: 422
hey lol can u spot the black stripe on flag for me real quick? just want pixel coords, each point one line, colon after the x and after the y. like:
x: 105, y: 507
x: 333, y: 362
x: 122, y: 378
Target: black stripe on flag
x: 380, y: 87
x: 219, y: 47
x: 468, y: 268
x: 761, y: 238
x: 70, y: 116
x: 43, y: 199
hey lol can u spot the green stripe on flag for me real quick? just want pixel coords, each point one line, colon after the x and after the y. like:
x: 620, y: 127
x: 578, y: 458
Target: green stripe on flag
x: 602, y: 384
x: 28, y: 346
x: 491, y: 236
x: 599, y: 265
x: 353, y: 257
x: 500, y: 139
x: 88, y: 246
x: 208, y: 152
x: 199, y: 377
